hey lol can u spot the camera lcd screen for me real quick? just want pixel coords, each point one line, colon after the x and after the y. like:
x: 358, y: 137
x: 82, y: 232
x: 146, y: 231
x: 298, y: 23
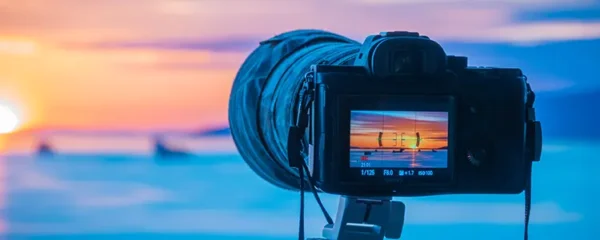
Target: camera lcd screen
x: 398, y: 139
x: 402, y: 143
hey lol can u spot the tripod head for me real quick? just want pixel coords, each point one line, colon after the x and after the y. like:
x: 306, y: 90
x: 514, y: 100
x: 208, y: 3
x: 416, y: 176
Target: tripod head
x: 366, y: 219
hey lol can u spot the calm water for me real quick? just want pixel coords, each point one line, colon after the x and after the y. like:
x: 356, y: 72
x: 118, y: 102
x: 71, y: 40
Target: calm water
x: 408, y: 159
x: 219, y: 197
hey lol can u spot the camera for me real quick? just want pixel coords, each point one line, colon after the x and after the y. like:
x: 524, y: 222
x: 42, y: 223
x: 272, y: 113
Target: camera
x: 393, y: 116
x: 406, y: 119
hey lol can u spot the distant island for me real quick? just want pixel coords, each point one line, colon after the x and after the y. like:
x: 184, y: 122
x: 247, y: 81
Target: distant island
x: 216, y: 132
x: 49, y: 131
x: 162, y: 150
x: 44, y: 149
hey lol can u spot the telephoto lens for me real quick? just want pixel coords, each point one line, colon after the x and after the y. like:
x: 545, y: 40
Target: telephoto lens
x: 264, y: 97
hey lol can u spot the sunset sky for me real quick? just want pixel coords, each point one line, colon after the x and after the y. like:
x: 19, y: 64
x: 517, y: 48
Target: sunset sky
x: 366, y: 125
x: 169, y: 64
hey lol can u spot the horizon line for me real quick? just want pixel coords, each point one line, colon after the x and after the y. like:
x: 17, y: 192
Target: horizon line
x: 60, y: 131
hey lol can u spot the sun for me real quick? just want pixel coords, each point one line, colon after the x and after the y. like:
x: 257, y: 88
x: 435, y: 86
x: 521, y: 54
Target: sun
x: 8, y: 120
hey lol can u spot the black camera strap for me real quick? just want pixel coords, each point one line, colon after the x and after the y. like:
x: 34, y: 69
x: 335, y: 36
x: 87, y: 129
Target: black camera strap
x: 295, y: 149
x: 527, y: 204
x: 533, y: 145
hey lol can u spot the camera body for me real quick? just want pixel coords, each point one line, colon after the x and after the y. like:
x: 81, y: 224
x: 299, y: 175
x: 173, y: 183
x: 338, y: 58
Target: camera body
x: 408, y: 120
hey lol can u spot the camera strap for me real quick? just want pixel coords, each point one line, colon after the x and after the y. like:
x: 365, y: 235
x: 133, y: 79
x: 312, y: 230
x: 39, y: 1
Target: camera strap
x: 527, y: 202
x: 533, y: 145
x: 295, y: 149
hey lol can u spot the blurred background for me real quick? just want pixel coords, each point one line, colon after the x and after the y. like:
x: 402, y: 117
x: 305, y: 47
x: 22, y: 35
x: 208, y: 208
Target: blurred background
x: 113, y: 115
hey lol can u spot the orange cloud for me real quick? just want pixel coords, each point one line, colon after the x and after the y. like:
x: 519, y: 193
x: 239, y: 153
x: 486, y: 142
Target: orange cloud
x: 89, y: 88
x: 58, y: 84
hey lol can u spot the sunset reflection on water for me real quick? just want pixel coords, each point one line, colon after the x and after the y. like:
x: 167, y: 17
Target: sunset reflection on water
x: 406, y: 159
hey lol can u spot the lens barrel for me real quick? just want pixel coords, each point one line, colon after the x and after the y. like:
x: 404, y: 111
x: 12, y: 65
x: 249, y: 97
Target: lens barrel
x: 264, y: 97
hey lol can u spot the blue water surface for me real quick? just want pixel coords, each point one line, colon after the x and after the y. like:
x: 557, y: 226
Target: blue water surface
x: 218, y: 197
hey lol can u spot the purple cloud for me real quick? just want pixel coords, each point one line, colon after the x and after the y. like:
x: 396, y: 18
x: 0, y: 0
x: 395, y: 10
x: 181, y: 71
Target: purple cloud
x: 224, y: 44
x: 183, y: 65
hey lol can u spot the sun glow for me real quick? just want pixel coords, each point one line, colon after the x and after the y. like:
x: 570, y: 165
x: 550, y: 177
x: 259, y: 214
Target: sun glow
x: 8, y: 120
x: 17, y: 47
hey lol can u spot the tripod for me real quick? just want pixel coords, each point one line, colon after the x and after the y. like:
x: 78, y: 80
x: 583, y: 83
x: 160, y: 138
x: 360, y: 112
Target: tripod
x: 366, y: 219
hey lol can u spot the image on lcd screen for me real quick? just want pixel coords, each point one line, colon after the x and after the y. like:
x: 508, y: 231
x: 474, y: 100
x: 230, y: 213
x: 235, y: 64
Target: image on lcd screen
x: 398, y: 139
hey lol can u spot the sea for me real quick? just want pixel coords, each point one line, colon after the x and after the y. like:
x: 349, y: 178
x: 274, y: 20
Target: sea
x: 215, y: 195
